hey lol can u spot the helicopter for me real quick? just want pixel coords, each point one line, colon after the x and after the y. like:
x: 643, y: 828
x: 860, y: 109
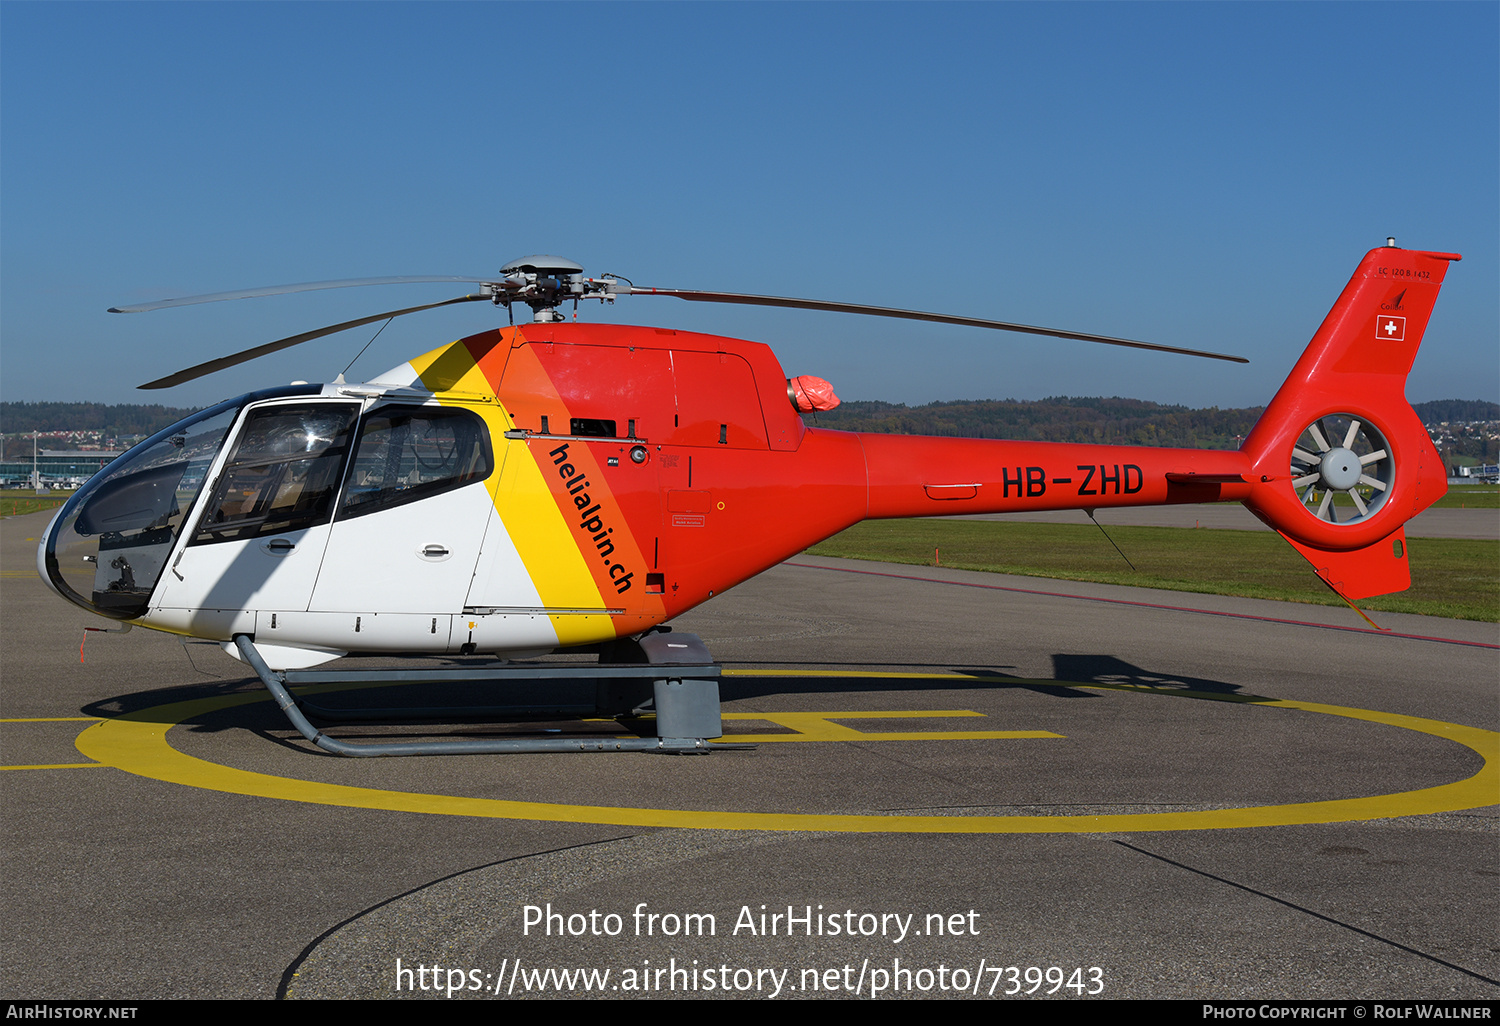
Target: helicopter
x: 571, y: 487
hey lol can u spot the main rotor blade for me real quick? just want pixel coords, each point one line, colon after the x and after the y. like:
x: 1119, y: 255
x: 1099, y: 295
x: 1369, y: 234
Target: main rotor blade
x: 918, y: 315
x: 247, y: 355
x: 307, y: 286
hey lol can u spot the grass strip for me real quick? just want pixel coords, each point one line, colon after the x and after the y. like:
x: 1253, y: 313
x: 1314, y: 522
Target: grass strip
x: 1469, y: 497
x: 1457, y: 578
x: 1457, y: 497
x: 16, y: 505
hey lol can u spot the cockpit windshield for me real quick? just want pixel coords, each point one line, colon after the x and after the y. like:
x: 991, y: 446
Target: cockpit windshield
x: 108, y: 546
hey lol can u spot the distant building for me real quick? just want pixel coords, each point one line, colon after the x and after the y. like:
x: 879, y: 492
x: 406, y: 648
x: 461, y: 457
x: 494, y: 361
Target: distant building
x: 1488, y: 472
x: 56, y: 468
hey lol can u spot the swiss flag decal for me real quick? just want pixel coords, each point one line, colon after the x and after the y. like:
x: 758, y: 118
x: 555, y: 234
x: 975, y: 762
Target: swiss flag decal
x: 1392, y: 329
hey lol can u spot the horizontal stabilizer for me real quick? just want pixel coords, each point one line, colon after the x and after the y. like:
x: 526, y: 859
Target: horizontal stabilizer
x: 1192, y: 478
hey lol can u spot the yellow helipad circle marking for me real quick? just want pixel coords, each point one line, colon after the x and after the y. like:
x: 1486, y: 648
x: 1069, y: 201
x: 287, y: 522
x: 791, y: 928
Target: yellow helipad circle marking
x: 137, y: 743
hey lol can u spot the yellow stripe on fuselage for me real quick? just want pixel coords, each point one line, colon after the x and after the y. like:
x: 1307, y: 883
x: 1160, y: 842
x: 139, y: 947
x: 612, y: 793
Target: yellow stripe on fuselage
x: 451, y: 368
x: 547, y: 547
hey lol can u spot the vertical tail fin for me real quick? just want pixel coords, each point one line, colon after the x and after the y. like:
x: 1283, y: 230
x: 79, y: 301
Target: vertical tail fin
x: 1340, y: 459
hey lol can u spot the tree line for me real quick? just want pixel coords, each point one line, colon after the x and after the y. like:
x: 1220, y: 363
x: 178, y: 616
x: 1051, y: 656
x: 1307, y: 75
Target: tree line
x: 119, y: 419
x: 1107, y: 421
x: 1110, y: 421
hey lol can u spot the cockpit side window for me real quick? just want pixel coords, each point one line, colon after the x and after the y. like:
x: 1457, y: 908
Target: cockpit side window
x: 407, y: 453
x: 284, y: 473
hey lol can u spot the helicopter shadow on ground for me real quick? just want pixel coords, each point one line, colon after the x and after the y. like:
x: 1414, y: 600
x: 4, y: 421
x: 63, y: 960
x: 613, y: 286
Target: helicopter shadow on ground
x: 259, y: 717
x: 423, y: 710
x: 1106, y: 669
x: 403, y: 711
x: 1069, y: 670
x: 135, y: 702
x: 240, y: 679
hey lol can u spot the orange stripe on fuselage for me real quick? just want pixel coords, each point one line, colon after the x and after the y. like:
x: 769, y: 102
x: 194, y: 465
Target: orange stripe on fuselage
x: 524, y: 486
x: 581, y: 487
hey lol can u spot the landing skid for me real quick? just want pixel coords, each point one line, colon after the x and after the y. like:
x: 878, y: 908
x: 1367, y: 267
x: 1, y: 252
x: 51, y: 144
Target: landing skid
x: 684, y: 696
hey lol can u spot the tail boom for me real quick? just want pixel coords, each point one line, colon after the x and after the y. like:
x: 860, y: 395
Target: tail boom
x: 912, y: 476
x: 1339, y: 424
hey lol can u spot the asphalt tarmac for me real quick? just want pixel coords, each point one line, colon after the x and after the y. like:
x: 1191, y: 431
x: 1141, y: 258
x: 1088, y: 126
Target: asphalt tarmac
x: 1218, y: 797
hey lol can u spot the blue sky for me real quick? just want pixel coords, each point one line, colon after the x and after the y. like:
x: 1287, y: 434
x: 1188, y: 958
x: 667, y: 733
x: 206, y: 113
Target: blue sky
x: 1202, y: 175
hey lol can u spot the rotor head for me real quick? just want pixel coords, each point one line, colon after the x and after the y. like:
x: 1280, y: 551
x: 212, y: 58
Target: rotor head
x: 542, y: 281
